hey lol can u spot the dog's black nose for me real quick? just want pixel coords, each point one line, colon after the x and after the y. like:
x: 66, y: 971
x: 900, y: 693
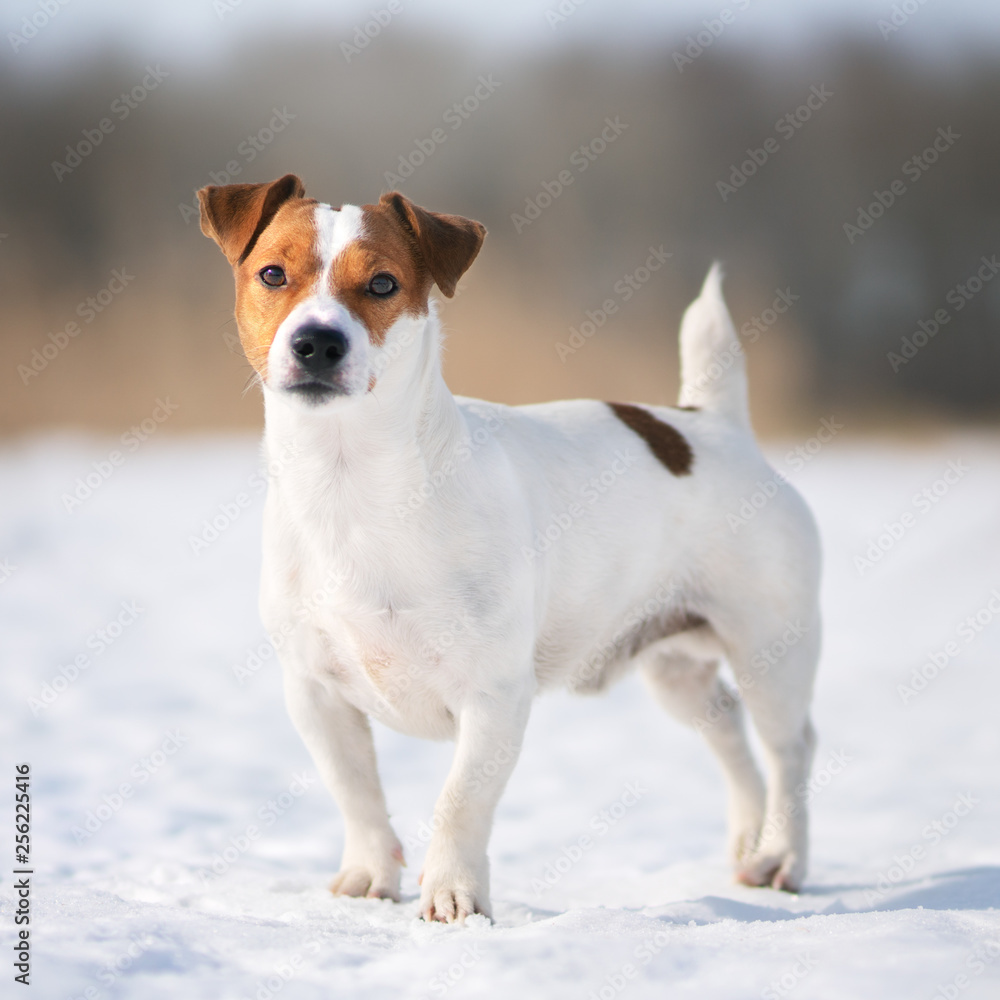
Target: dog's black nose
x: 319, y: 348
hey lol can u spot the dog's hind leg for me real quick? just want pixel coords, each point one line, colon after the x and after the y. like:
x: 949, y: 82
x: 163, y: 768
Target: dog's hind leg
x: 690, y: 689
x: 777, y: 694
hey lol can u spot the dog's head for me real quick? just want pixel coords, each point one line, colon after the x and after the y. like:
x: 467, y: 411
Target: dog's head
x: 321, y: 293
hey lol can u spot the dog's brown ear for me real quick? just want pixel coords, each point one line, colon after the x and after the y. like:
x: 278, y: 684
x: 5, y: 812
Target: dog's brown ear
x: 236, y: 214
x: 448, y: 243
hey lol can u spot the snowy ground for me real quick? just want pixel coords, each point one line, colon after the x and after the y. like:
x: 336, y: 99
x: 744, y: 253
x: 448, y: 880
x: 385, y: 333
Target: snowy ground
x: 129, y: 904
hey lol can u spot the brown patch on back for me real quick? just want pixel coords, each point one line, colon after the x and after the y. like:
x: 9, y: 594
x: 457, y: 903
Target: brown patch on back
x: 665, y: 442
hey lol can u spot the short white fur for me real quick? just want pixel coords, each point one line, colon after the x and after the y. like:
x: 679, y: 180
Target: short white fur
x: 443, y: 618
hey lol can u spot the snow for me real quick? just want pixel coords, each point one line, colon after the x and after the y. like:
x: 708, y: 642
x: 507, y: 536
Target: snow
x: 132, y: 908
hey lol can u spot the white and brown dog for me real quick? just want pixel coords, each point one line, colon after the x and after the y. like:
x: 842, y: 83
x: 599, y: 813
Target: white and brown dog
x: 436, y: 561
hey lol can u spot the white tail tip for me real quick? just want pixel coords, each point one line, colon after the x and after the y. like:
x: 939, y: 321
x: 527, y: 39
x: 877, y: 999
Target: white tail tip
x: 713, y: 373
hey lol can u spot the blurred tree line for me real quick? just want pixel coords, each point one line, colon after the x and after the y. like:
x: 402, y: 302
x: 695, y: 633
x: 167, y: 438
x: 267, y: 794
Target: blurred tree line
x: 816, y: 175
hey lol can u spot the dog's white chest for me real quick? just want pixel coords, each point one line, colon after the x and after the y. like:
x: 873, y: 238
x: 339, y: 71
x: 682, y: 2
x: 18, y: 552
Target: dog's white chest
x: 390, y: 664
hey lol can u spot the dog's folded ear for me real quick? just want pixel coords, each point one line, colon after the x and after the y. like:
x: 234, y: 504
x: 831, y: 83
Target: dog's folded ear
x: 448, y: 243
x: 236, y: 214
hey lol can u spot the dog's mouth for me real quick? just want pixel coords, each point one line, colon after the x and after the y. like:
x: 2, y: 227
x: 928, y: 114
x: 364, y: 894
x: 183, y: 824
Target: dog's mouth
x: 313, y: 391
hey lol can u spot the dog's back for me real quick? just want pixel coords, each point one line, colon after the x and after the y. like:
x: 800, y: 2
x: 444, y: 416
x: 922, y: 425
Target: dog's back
x: 431, y: 562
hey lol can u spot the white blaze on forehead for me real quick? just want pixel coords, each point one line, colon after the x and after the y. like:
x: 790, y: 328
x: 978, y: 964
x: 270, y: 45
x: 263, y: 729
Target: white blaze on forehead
x: 334, y: 231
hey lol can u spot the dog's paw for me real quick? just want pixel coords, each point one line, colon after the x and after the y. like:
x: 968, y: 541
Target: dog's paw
x: 786, y: 871
x: 374, y: 879
x: 451, y: 895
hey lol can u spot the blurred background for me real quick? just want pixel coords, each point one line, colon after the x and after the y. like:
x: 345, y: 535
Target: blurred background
x: 756, y: 132
x: 841, y: 157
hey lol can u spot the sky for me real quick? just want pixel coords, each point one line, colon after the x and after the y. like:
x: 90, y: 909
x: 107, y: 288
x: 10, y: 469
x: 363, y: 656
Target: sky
x: 205, y: 29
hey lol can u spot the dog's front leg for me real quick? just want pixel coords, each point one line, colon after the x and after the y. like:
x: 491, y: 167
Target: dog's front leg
x: 340, y: 740
x: 455, y: 881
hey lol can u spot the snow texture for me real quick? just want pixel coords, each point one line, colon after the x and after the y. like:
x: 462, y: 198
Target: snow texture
x: 205, y: 876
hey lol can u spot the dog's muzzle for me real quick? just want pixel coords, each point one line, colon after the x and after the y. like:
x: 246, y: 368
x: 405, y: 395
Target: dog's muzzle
x: 318, y: 351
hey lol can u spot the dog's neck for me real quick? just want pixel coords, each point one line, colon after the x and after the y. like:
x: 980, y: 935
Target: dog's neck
x: 370, y: 451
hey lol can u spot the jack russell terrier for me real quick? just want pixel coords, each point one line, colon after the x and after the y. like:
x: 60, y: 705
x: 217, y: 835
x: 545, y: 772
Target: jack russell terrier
x: 436, y: 561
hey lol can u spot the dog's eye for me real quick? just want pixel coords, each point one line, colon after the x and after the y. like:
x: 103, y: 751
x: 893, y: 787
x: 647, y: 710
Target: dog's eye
x: 272, y: 275
x: 382, y: 284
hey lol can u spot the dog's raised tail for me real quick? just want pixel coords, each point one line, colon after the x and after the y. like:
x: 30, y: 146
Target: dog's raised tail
x: 713, y: 373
